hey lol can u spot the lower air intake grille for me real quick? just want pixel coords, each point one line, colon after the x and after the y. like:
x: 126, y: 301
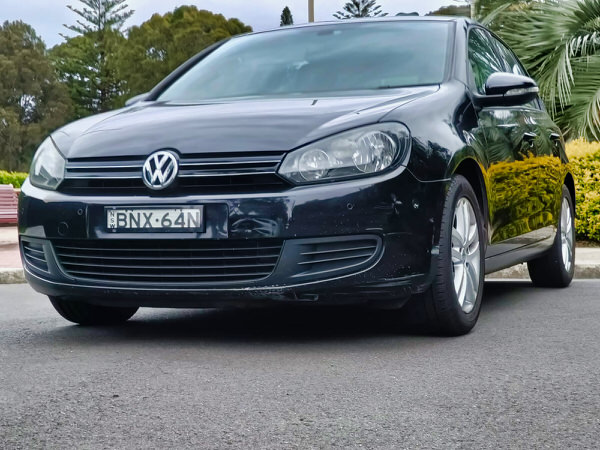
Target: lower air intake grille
x: 169, y: 261
x: 34, y: 255
x: 329, y: 256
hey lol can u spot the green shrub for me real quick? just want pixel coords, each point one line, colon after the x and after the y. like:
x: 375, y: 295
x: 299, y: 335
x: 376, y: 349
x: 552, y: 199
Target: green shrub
x: 585, y: 162
x: 15, y: 178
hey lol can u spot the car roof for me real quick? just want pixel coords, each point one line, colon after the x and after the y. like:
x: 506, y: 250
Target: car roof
x: 458, y: 19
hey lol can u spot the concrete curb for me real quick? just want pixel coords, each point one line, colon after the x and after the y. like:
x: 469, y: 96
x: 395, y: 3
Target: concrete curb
x: 12, y: 276
x: 582, y: 271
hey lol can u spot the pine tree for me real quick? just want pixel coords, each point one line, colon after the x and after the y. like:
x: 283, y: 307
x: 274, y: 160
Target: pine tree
x: 286, y: 17
x: 360, y: 8
x: 85, y: 61
x: 100, y: 15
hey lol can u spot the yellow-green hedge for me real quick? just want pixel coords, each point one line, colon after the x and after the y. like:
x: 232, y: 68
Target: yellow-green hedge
x: 14, y: 178
x: 585, y: 162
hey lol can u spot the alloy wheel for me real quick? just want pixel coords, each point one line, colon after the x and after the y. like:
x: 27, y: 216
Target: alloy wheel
x: 566, y: 234
x: 466, y: 260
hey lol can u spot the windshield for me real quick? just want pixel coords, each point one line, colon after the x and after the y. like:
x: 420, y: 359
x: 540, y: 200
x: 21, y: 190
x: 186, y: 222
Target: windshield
x: 328, y: 58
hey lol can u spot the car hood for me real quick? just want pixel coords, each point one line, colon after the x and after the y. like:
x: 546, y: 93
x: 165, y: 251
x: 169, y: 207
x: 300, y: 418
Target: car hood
x: 231, y: 126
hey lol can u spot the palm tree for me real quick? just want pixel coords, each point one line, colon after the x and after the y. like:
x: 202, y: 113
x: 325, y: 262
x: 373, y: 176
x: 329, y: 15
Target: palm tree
x: 559, y: 43
x: 360, y: 8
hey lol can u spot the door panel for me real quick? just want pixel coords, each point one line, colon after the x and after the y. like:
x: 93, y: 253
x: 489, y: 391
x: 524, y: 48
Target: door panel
x: 543, y: 156
x: 503, y: 137
x: 548, y: 146
x: 505, y: 140
x: 520, y: 146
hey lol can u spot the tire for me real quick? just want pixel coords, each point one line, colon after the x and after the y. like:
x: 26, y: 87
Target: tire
x: 88, y: 314
x: 555, y: 269
x: 442, y: 308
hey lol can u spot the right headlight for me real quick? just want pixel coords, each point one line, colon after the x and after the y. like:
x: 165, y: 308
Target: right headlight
x: 48, y: 166
x: 356, y: 153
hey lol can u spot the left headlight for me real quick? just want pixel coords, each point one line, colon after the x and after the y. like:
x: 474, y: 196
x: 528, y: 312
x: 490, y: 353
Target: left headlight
x: 48, y: 166
x: 355, y: 153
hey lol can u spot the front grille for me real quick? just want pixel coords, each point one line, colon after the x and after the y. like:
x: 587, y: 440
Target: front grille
x: 207, y: 173
x: 169, y: 261
x: 329, y: 256
x: 34, y: 255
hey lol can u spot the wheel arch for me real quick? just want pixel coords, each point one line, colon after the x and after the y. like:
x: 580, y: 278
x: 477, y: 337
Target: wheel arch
x: 570, y: 183
x: 470, y: 169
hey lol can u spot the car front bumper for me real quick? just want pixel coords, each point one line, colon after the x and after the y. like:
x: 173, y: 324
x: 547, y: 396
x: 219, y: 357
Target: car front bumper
x: 394, y: 215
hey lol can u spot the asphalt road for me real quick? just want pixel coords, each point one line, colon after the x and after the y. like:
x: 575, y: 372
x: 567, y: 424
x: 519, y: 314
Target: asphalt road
x: 526, y: 377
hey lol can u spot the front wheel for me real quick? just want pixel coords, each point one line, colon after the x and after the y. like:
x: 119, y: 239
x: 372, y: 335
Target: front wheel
x: 557, y: 267
x: 451, y: 304
x: 88, y: 314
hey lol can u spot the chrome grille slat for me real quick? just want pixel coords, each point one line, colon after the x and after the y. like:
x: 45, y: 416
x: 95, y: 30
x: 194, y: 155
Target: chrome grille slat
x: 170, y: 258
x: 133, y: 249
x: 169, y: 267
x: 221, y: 174
x: 324, y: 252
x: 169, y: 261
x: 335, y: 256
x: 339, y: 258
x: 34, y: 255
x: 132, y: 275
x: 210, y: 173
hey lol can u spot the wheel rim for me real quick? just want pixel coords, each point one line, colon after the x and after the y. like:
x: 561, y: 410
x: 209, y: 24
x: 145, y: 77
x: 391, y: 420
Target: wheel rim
x: 566, y: 234
x: 466, y: 259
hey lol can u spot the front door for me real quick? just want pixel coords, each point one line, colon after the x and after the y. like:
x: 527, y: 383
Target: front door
x: 504, y: 139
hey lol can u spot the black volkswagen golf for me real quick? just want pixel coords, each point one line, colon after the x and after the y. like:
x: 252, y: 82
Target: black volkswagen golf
x: 383, y: 162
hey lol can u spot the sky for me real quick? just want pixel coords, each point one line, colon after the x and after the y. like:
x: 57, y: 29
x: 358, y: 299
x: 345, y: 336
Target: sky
x: 48, y: 16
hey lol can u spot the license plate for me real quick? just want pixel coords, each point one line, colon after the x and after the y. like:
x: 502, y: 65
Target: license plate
x: 155, y: 219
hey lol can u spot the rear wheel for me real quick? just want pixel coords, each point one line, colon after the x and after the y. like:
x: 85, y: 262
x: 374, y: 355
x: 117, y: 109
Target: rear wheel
x: 557, y: 267
x: 451, y: 304
x: 88, y: 314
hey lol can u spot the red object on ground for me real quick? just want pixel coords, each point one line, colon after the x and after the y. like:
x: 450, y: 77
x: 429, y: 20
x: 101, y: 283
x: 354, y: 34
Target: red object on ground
x: 8, y: 204
x: 9, y: 248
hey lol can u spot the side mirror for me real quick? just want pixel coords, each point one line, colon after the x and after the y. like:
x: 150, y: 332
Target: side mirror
x: 507, y: 89
x: 137, y: 99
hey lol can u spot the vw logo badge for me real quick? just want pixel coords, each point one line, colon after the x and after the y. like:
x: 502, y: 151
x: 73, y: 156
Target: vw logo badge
x: 160, y: 170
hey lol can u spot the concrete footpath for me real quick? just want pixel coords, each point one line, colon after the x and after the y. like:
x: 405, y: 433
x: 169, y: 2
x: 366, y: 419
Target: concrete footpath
x: 587, y: 261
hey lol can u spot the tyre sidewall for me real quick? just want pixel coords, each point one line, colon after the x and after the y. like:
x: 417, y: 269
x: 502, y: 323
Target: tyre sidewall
x: 567, y: 275
x: 447, y: 305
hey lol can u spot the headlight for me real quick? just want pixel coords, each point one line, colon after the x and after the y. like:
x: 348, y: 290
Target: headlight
x: 48, y: 166
x: 360, y: 152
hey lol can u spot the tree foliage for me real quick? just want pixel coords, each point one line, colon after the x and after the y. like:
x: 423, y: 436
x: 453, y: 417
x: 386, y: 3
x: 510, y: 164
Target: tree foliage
x: 100, y: 15
x: 559, y: 43
x: 158, y: 46
x: 286, y: 17
x: 32, y: 101
x: 360, y: 8
x: 452, y: 10
x: 86, y: 63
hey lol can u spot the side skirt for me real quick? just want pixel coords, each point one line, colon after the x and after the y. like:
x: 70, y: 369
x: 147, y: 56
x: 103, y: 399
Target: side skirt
x: 520, y: 254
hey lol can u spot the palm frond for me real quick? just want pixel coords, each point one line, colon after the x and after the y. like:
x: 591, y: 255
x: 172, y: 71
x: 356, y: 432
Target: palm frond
x: 582, y: 117
x: 548, y: 36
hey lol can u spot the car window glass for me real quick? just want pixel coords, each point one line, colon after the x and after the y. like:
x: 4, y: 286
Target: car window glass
x: 328, y: 58
x: 482, y: 58
x: 510, y: 60
x: 513, y: 65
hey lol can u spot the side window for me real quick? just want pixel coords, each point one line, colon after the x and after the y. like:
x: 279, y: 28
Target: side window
x: 483, y: 58
x: 510, y: 60
x: 513, y: 65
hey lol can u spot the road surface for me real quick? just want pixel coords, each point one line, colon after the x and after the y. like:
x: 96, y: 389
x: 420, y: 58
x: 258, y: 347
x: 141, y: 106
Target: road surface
x: 526, y: 377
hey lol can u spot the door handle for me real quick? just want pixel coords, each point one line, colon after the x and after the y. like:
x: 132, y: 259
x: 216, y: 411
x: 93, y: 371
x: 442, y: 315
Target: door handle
x: 555, y: 137
x: 529, y: 138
